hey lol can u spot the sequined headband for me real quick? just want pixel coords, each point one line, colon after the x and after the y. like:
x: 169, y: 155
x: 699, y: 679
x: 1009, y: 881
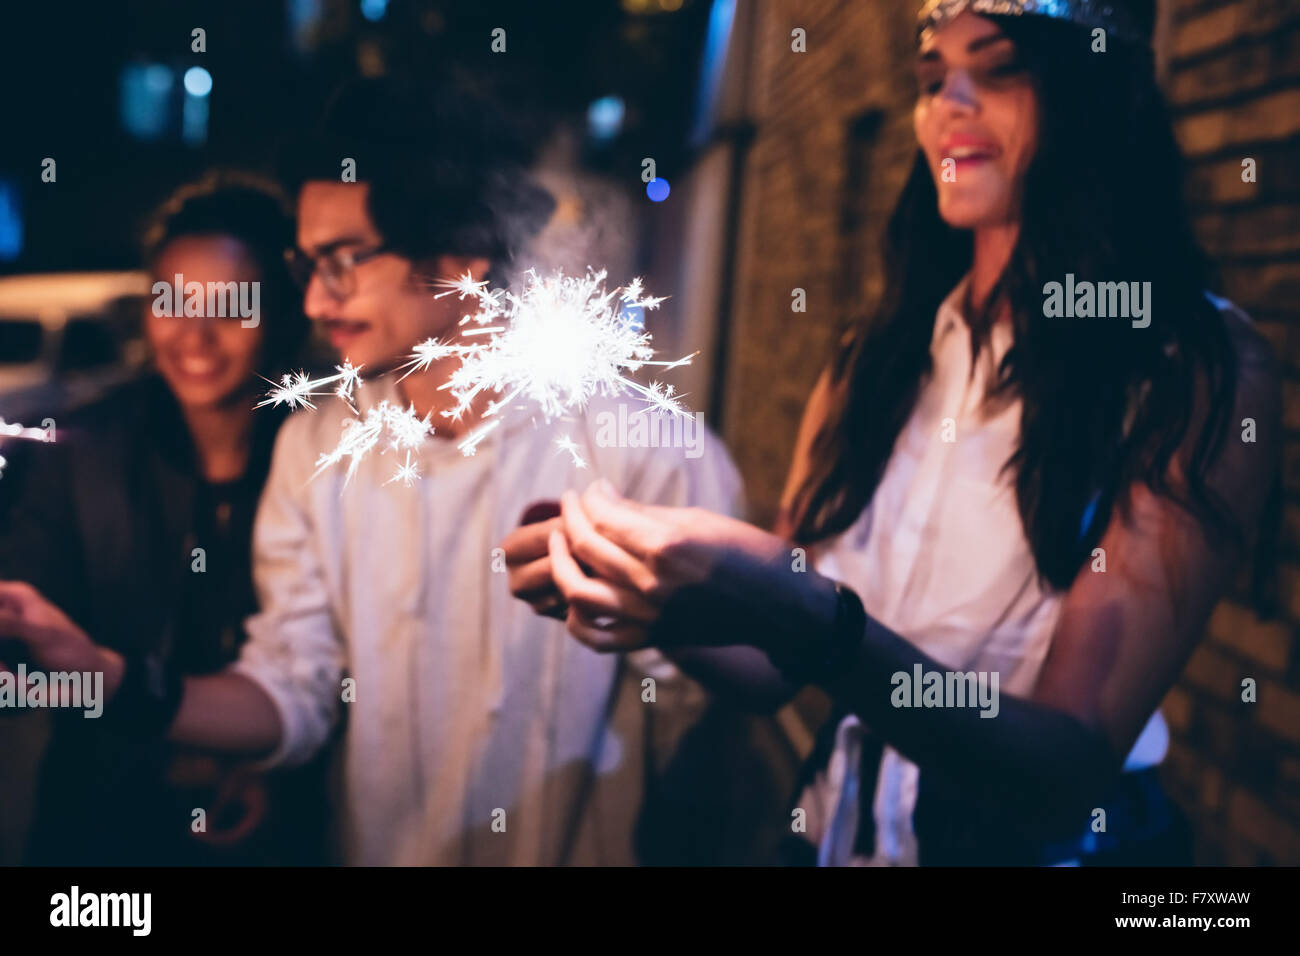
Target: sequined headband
x: 1106, y: 14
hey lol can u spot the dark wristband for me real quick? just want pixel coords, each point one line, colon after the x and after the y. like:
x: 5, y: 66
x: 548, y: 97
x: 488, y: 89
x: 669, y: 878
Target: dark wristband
x: 816, y: 658
x: 149, y: 695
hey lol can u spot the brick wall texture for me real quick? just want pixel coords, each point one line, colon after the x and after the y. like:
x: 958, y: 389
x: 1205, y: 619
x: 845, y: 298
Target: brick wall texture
x: 832, y: 146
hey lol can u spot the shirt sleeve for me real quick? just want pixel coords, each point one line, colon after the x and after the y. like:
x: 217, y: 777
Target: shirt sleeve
x: 699, y: 475
x: 293, y: 652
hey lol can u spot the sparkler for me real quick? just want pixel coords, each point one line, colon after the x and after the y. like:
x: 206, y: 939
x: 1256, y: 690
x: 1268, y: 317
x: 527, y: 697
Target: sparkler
x: 557, y: 345
x: 561, y: 342
x: 15, y: 430
x: 405, y: 431
x: 565, y: 443
x: 299, y: 389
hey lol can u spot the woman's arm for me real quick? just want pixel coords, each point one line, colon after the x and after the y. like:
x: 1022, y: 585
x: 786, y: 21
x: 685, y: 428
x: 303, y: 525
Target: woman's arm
x: 743, y: 673
x: 226, y: 712
x: 39, y: 539
x: 1122, y: 639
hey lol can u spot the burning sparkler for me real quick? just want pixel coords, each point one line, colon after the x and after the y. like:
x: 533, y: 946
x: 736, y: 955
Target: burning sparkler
x: 565, y: 443
x: 561, y: 342
x: 405, y: 431
x: 557, y: 345
x: 299, y: 389
x: 15, y: 430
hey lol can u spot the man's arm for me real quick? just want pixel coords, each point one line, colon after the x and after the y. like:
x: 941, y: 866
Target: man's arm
x: 229, y: 713
x: 291, y: 667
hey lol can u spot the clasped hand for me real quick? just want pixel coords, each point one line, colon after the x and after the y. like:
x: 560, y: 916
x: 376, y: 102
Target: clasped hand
x: 623, y: 575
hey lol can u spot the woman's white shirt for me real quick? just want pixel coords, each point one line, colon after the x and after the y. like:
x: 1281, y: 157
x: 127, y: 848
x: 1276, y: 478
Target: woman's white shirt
x: 939, y: 556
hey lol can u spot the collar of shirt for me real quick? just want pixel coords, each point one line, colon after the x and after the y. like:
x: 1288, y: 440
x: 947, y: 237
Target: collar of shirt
x: 949, y: 319
x: 950, y: 328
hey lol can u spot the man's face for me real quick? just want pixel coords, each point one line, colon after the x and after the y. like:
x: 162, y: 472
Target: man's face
x: 385, y: 306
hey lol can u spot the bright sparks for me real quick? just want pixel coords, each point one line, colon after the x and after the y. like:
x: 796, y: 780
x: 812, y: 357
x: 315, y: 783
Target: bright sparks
x: 565, y: 444
x: 562, y: 342
x: 556, y: 346
x: 15, y: 430
x: 297, y: 390
x: 360, y: 436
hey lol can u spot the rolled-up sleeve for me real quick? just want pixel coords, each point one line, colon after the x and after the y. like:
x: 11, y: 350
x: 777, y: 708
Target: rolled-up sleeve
x: 294, y: 651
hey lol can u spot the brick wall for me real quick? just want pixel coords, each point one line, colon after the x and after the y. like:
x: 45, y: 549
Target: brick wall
x: 819, y: 180
x: 832, y: 146
x: 1234, y: 85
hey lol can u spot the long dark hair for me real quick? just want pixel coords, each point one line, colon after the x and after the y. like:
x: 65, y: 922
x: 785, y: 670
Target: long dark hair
x: 1102, y: 200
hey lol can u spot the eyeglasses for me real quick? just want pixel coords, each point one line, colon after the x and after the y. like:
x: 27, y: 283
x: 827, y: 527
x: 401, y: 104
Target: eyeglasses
x: 337, y: 268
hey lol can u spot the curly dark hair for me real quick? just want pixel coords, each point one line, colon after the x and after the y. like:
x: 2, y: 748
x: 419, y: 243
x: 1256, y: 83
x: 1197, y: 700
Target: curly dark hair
x: 445, y: 169
x: 254, y: 211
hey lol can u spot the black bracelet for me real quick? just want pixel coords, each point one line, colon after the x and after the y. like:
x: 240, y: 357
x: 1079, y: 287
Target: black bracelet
x: 819, y: 658
x: 149, y: 695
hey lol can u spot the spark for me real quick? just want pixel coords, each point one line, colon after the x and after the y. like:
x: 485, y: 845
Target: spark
x: 661, y: 398
x: 470, y: 443
x: 360, y: 436
x: 559, y: 343
x: 298, y: 389
x: 406, y: 473
x: 15, y: 430
x: 565, y: 443
x: 428, y: 352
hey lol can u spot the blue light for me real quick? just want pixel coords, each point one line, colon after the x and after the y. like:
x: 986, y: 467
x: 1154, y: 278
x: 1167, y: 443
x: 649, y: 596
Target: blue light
x: 605, y: 117
x: 717, y: 41
x: 198, y: 81
x: 374, y: 10
x: 11, y: 222
x: 657, y: 190
x: 194, y: 120
x: 146, y: 91
x: 304, y: 22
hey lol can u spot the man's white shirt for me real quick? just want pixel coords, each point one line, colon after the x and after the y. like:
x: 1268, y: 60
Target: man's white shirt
x: 480, y: 733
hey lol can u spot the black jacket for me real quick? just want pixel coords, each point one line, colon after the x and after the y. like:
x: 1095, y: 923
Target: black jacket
x: 104, y: 522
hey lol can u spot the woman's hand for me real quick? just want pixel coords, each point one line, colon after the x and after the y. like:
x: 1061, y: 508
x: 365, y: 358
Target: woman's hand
x: 674, y: 576
x: 43, y: 635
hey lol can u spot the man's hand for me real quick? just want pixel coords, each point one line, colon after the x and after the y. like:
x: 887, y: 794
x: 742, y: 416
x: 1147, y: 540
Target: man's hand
x: 48, y: 640
x: 528, y: 562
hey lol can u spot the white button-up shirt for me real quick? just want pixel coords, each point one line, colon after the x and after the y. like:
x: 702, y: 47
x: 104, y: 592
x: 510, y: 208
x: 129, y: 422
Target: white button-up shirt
x: 939, y: 557
x: 480, y: 732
